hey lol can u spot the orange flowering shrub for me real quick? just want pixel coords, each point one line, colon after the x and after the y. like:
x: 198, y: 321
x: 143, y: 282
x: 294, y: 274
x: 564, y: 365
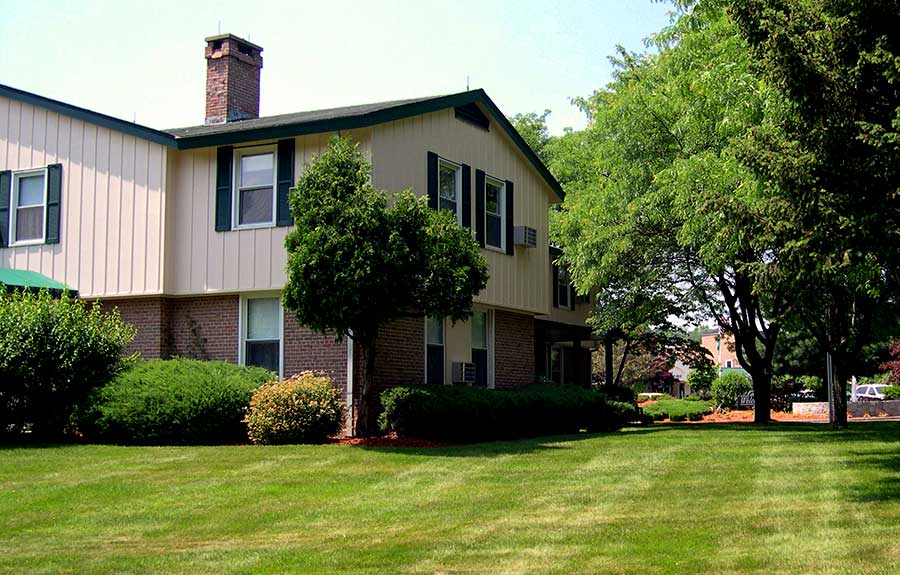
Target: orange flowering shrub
x: 305, y: 408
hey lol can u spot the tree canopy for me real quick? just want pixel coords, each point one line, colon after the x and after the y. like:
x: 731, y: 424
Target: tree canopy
x: 359, y: 258
x: 665, y: 212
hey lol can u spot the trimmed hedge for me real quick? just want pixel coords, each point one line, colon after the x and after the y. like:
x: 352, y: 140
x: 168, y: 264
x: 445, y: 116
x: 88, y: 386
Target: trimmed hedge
x: 305, y: 408
x: 892, y: 392
x: 451, y: 413
x: 175, y: 401
x: 678, y: 409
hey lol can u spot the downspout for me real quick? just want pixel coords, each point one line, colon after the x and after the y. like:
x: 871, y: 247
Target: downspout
x: 348, y: 424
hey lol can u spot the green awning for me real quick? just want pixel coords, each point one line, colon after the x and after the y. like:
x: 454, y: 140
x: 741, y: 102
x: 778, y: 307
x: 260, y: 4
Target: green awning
x: 31, y: 281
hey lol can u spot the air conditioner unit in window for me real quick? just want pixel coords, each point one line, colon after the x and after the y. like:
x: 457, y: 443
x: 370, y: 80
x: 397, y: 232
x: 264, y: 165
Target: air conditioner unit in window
x: 525, y: 236
x: 463, y: 372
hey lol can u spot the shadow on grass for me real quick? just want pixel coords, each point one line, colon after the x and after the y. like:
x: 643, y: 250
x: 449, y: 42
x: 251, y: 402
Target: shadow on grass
x: 799, y: 431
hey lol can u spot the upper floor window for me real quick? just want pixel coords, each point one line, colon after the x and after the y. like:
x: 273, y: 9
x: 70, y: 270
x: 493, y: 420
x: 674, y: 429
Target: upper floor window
x: 563, y: 288
x: 29, y: 204
x: 450, y: 187
x: 254, y: 192
x: 494, y: 210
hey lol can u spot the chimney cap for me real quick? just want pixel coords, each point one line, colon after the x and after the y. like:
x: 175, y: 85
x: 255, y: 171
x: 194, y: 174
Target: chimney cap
x: 209, y: 39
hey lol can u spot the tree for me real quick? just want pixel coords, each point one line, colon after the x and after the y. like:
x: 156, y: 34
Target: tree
x: 670, y: 210
x: 359, y: 258
x: 831, y: 158
x: 533, y: 129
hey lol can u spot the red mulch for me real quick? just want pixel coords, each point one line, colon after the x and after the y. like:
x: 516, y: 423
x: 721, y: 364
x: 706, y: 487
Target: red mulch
x: 390, y: 440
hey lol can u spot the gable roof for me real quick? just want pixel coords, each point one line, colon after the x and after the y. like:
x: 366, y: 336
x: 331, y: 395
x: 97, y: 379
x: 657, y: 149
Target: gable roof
x: 297, y: 124
x: 103, y: 120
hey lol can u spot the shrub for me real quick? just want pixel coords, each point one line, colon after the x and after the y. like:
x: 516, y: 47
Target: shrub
x: 305, y: 408
x: 678, y: 409
x: 453, y: 413
x: 728, y: 387
x: 52, y: 353
x: 619, y: 393
x: 693, y: 397
x: 701, y: 377
x: 892, y: 392
x: 176, y: 401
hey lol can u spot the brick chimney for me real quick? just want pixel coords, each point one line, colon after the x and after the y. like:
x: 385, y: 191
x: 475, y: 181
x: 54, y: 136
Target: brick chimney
x: 232, y: 79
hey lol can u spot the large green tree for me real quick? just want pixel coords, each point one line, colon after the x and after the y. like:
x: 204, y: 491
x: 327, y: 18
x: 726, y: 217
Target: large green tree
x: 359, y: 258
x: 664, y: 206
x: 831, y: 155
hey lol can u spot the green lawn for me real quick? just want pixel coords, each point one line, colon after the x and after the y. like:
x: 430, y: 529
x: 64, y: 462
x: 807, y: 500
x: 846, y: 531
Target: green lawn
x: 664, y: 499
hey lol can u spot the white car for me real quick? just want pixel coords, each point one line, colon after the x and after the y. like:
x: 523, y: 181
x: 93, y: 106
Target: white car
x: 870, y: 392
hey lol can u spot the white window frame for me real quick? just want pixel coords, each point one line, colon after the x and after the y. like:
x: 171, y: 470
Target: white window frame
x: 236, y: 185
x: 14, y: 207
x: 490, y: 327
x: 443, y: 345
x: 242, y: 328
x: 443, y: 162
x: 729, y: 364
x: 501, y: 203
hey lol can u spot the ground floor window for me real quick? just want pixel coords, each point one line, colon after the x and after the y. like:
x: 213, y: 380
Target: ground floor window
x: 554, y: 363
x: 482, y: 330
x: 434, y: 351
x: 262, y: 333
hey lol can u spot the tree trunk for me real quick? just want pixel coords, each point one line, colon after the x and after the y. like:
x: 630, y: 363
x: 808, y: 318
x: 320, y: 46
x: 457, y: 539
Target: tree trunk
x: 608, y: 357
x: 762, y: 397
x: 364, y: 425
x: 840, y: 397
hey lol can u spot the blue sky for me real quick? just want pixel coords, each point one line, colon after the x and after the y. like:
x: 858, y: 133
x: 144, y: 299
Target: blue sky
x: 144, y: 61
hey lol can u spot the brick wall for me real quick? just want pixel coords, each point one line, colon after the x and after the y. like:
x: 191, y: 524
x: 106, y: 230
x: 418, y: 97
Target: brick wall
x: 150, y: 317
x: 204, y: 327
x: 305, y: 350
x: 513, y: 349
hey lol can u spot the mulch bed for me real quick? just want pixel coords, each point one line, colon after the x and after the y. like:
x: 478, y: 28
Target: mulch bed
x: 391, y: 440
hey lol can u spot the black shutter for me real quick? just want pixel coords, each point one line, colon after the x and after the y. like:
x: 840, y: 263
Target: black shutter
x: 224, y: 174
x: 571, y: 297
x: 432, y: 180
x: 479, y: 207
x: 510, y: 236
x: 283, y: 215
x: 555, y: 285
x: 466, y: 196
x: 54, y: 198
x: 5, y: 188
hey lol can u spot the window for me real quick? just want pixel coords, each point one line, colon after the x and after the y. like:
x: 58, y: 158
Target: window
x: 254, y: 196
x: 262, y: 333
x: 494, y: 203
x: 449, y: 187
x: 563, y: 290
x: 728, y: 363
x: 480, y: 356
x: 554, y: 363
x: 29, y: 202
x: 434, y: 350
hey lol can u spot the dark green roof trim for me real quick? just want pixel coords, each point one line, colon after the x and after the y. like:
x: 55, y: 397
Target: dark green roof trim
x: 89, y: 116
x: 235, y: 133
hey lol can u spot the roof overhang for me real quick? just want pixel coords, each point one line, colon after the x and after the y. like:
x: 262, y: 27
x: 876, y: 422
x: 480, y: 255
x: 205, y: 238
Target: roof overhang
x: 25, y: 280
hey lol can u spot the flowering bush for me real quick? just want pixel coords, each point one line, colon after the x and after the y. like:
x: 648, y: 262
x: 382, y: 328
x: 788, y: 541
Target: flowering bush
x: 305, y: 408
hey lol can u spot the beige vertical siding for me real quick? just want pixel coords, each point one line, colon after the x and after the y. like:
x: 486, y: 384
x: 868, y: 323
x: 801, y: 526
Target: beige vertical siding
x: 202, y: 260
x: 113, y: 199
x: 519, y: 282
